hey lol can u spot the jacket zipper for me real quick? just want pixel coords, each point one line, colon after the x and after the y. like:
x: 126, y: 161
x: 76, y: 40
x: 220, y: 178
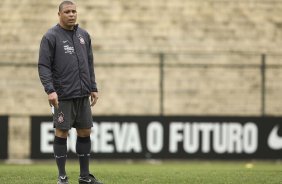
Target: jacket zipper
x: 77, y: 61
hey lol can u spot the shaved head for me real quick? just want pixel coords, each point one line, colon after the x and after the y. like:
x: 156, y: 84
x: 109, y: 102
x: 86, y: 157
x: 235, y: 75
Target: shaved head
x: 65, y: 3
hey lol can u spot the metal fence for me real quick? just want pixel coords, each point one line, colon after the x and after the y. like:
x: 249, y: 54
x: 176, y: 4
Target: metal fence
x: 216, y: 83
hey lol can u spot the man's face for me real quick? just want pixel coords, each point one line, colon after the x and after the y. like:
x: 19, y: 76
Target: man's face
x: 68, y: 16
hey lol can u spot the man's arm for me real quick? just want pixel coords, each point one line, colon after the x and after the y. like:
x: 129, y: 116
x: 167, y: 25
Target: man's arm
x: 46, y: 55
x: 94, y: 90
x: 91, y: 67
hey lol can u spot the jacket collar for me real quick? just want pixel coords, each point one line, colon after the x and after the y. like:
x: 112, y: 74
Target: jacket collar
x: 74, y: 28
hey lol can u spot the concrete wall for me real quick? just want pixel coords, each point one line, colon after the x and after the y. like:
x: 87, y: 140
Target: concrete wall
x: 212, y: 57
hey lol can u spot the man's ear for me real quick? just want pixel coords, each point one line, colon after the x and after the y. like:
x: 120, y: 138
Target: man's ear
x: 59, y: 13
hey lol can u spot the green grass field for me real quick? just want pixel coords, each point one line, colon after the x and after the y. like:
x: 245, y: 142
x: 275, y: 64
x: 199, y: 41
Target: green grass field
x: 188, y: 172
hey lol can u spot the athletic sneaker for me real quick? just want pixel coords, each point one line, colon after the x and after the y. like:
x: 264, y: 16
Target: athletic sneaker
x: 63, y: 180
x: 88, y: 180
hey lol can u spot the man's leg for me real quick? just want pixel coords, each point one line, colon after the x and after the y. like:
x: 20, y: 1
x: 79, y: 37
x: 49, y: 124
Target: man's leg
x: 83, y: 148
x: 63, y: 118
x: 60, y: 150
x: 83, y: 125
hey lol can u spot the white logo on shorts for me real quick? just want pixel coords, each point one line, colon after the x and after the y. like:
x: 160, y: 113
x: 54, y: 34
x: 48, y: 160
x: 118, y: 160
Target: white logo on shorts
x: 61, y: 117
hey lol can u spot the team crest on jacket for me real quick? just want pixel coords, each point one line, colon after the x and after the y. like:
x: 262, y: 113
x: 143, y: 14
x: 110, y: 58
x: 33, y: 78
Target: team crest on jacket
x: 61, y: 118
x: 81, y: 40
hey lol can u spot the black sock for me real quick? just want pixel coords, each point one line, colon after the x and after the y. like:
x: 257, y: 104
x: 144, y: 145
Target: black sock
x: 60, y: 153
x: 83, y: 147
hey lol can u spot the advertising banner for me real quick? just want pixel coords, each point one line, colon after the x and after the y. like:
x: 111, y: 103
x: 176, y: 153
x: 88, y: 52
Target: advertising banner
x: 3, y: 137
x: 170, y: 137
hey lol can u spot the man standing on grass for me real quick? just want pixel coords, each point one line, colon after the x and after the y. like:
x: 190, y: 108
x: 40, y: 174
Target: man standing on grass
x: 66, y: 71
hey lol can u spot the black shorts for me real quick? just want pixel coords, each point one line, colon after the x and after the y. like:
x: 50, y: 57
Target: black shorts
x: 73, y: 113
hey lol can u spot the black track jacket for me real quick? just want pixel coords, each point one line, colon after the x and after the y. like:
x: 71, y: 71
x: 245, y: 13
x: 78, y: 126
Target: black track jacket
x: 65, y: 63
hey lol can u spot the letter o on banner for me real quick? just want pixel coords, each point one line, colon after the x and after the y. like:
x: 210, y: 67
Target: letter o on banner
x: 155, y: 135
x: 250, y: 138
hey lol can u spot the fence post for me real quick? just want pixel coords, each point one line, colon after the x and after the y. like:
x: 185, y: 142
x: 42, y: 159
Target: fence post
x: 263, y: 71
x: 161, y: 65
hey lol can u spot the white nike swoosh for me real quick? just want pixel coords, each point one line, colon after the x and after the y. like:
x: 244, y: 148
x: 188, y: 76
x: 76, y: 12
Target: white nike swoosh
x: 274, y: 140
x: 59, y: 156
x: 63, y: 177
x: 88, y: 181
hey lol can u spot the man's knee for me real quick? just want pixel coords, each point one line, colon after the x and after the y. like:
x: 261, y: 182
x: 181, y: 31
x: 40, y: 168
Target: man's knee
x: 83, y: 132
x: 61, y: 133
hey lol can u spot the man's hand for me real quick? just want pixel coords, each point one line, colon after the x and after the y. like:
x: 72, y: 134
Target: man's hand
x: 94, y: 98
x: 53, y: 99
